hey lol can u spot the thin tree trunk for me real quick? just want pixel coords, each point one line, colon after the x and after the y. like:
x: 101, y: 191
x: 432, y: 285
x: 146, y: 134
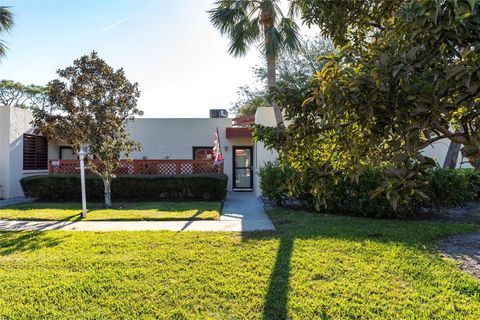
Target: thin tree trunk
x: 452, y: 155
x: 107, y: 192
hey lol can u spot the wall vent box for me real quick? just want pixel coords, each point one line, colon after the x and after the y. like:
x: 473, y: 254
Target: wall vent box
x: 218, y: 113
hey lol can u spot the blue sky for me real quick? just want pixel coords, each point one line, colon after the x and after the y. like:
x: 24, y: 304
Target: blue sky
x: 168, y: 47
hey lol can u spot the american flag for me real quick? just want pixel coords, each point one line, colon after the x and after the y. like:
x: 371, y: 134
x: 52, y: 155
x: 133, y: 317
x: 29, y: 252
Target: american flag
x: 217, y: 149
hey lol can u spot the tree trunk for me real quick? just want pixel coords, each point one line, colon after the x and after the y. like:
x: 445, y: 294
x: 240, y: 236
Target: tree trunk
x: 452, y: 155
x: 268, y: 20
x: 107, y: 192
x: 271, y: 73
x: 272, y: 82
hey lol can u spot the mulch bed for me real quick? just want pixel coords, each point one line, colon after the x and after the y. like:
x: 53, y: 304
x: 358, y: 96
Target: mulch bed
x: 465, y: 249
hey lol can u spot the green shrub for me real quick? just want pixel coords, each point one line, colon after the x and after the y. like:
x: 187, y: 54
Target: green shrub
x: 350, y: 197
x: 473, y: 178
x: 449, y: 187
x: 273, y: 182
x: 346, y: 197
x: 445, y: 187
x: 128, y: 187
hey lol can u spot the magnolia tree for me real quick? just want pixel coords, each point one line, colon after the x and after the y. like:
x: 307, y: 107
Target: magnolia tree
x: 91, y: 103
x: 406, y: 74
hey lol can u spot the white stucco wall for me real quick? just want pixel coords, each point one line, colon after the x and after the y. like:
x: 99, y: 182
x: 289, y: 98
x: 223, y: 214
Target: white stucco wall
x: 264, y: 116
x: 4, y: 149
x: 175, y: 138
x: 14, y: 123
x: 19, y: 124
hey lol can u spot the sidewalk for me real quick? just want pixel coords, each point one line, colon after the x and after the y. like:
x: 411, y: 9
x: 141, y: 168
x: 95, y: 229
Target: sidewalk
x: 242, y: 212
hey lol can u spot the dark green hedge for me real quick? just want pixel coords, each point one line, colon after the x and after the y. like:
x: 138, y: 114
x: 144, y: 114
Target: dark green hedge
x: 128, y: 187
x: 451, y: 187
x: 444, y: 188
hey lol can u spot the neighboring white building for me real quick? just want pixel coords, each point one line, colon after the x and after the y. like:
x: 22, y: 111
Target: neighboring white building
x: 14, y: 125
x: 23, y: 153
x: 438, y: 150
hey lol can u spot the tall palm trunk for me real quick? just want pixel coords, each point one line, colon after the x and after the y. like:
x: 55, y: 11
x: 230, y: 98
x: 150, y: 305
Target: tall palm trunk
x: 271, y: 73
x: 268, y: 20
x: 272, y: 82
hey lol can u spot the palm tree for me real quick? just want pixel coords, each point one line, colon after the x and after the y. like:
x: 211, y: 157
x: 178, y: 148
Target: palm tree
x: 247, y: 22
x: 6, y: 23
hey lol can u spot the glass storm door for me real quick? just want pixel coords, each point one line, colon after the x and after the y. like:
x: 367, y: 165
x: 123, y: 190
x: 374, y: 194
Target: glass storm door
x: 242, y: 167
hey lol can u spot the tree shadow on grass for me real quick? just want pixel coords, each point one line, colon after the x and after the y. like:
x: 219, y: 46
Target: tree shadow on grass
x: 21, y: 241
x: 291, y: 226
x: 191, y: 219
x: 147, y: 216
x: 122, y: 211
x: 277, y: 296
x: 72, y: 218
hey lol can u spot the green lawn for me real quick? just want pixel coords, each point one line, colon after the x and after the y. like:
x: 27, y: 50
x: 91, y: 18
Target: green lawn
x: 314, y: 267
x: 121, y: 211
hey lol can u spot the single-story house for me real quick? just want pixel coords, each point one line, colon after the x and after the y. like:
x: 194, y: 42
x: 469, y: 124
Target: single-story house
x: 170, y: 146
x: 167, y: 142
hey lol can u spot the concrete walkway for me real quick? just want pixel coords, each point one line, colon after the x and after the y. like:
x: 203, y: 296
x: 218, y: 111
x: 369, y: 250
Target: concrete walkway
x: 245, y: 208
x: 242, y: 212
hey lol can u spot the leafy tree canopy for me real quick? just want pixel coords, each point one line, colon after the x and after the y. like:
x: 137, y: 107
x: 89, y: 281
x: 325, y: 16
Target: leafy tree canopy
x: 249, y: 99
x: 354, y: 21
x: 16, y: 94
x: 408, y: 75
x: 92, y: 103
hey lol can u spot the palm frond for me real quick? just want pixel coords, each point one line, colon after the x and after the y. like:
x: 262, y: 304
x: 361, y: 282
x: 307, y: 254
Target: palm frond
x: 278, y: 11
x: 6, y: 19
x: 290, y: 35
x: 273, y: 42
x: 226, y: 14
x: 242, y: 35
x: 294, y: 9
x: 241, y: 21
x: 254, y: 10
x: 3, y: 49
